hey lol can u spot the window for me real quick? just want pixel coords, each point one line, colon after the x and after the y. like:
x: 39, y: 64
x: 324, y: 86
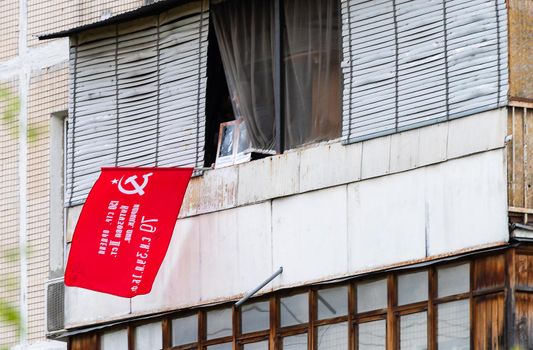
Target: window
x: 185, y: 330
x: 148, y: 336
x: 115, y: 340
x: 372, y: 303
x: 281, y: 72
x: 369, y: 313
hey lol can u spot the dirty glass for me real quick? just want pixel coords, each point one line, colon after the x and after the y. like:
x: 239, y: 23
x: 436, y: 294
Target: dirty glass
x: 116, y: 340
x: 185, y: 330
x: 262, y: 345
x: 219, y: 323
x: 148, y: 337
x: 413, y: 331
x: 412, y: 287
x: 372, y: 295
x: 294, y: 310
x: 223, y: 346
x: 453, y: 280
x: 255, y: 317
x: 333, y: 336
x: 332, y: 302
x: 295, y: 342
x: 372, y: 335
x: 453, y: 325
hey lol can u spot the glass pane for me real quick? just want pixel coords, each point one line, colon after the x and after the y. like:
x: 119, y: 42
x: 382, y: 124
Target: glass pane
x: 413, y: 331
x: 453, y: 325
x: 372, y: 295
x: 332, y: 302
x: 296, y: 342
x: 372, y: 335
x: 294, y: 310
x: 226, y: 145
x: 244, y: 141
x: 184, y: 330
x: 412, y: 287
x: 333, y: 336
x: 255, y: 317
x: 219, y: 323
x: 262, y: 345
x: 223, y: 346
x: 453, y: 280
x: 117, y: 340
x: 149, y: 337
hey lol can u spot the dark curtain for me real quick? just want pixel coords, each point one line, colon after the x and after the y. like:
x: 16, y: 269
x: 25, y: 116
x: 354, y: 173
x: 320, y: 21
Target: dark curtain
x: 311, y: 67
x: 244, y: 31
x: 311, y: 71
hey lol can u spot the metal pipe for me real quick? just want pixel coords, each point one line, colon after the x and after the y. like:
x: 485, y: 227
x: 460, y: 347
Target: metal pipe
x: 249, y: 294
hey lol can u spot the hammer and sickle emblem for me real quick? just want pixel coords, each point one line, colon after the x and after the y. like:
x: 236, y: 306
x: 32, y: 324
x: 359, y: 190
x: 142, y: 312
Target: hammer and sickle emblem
x: 137, y: 189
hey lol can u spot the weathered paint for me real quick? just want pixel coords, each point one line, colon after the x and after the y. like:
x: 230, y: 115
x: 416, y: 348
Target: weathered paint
x: 331, y: 164
x: 520, y: 49
x: 317, y: 235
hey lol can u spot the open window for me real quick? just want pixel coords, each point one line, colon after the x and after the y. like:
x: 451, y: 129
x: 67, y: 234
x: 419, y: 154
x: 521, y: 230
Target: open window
x: 274, y: 66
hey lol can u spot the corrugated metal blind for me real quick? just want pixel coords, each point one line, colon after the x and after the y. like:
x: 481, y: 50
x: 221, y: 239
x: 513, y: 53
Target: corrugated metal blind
x: 409, y: 63
x: 137, y: 96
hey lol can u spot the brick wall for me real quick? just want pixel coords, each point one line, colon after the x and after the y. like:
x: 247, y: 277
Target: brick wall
x: 48, y: 91
x: 9, y: 216
x: 48, y: 94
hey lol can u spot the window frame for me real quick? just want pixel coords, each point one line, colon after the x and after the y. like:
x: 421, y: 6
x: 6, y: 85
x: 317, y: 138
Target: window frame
x: 275, y: 334
x: 278, y: 81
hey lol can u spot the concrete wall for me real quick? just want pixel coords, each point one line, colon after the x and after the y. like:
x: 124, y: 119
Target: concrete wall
x: 327, y: 211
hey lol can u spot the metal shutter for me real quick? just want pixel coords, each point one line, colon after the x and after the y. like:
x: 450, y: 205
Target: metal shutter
x: 409, y: 63
x: 137, y: 93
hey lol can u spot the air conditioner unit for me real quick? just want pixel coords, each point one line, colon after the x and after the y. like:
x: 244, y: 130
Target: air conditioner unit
x: 55, y: 306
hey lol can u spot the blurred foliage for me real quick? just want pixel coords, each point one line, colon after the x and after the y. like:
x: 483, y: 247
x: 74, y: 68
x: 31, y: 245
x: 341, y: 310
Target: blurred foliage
x: 9, y: 110
x: 9, y: 313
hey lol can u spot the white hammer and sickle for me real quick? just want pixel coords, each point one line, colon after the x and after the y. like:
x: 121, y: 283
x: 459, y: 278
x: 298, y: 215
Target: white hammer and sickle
x: 137, y: 189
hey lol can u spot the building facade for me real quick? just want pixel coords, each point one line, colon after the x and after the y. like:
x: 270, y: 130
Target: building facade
x: 385, y: 168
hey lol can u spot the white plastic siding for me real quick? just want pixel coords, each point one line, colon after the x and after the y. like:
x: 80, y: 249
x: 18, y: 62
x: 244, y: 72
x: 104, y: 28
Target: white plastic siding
x: 418, y: 62
x: 137, y: 95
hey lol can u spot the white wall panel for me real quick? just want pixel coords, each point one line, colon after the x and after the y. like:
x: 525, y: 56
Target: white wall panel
x: 467, y: 203
x: 376, y: 157
x: 178, y: 280
x: 309, y: 235
x: 268, y: 178
x: 328, y: 165
x: 211, y: 257
x: 254, y: 256
x: 83, y: 306
x: 386, y: 220
x: 432, y: 144
x: 480, y: 132
x: 404, y: 151
x: 218, y: 244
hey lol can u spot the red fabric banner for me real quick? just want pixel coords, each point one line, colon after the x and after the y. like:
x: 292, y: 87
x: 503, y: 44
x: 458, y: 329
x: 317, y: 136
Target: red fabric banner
x: 124, y: 229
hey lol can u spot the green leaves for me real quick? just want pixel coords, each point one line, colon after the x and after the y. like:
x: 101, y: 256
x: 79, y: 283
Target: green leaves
x: 9, y: 106
x: 9, y: 111
x: 9, y: 313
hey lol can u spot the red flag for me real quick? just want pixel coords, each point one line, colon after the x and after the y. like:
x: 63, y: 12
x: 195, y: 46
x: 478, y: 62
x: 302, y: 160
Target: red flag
x: 124, y: 229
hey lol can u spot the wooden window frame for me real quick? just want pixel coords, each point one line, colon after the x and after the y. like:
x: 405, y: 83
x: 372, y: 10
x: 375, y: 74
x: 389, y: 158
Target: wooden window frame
x: 275, y: 334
